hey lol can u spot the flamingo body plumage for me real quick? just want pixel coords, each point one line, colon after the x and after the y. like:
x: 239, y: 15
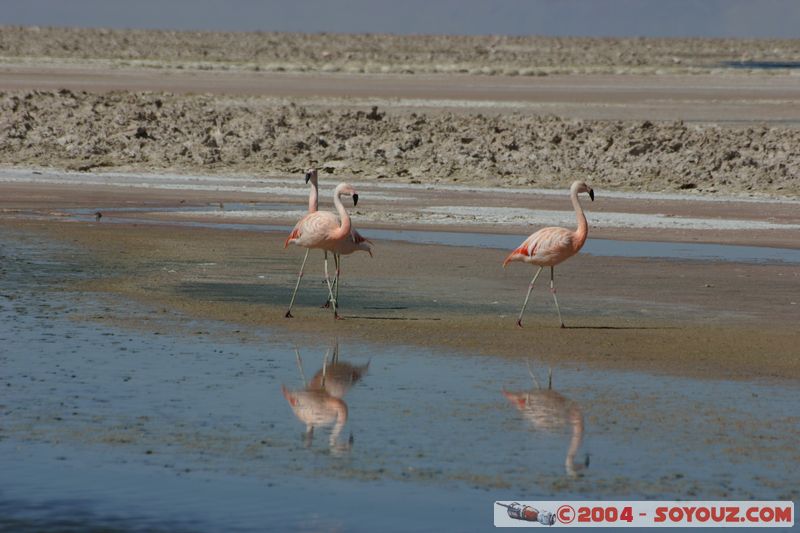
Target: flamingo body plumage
x: 319, y: 230
x: 547, y: 247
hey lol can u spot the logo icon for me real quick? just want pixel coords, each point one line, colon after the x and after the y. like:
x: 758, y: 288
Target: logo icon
x: 565, y: 514
x: 529, y: 514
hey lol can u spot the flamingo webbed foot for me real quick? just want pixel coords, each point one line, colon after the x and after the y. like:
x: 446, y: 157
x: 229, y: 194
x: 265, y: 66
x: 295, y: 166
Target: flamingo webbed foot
x: 519, y: 323
x: 288, y: 314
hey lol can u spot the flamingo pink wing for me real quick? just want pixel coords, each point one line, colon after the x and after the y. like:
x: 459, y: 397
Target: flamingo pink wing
x: 551, y: 245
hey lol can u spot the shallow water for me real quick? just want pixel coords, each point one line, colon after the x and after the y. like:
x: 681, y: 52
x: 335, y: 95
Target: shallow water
x: 598, y: 247
x: 183, y: 425
x: 762, y: 65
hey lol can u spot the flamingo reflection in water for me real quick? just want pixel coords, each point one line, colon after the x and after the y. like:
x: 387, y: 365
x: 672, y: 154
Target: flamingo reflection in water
x: 320, y: 402
x: 550, y: 411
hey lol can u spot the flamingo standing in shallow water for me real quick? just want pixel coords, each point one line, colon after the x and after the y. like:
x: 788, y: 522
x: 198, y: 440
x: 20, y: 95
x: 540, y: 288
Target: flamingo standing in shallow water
x: 323, y: 230
x: 551, y: 246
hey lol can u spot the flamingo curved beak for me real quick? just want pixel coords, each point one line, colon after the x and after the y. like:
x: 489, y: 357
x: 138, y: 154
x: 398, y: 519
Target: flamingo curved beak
x: 591, y: 194
x: 308, y: 176
x: 355, y: 199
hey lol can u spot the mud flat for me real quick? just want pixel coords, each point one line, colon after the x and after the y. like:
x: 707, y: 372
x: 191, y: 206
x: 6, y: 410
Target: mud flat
x: 258, y: 202
x: 208, y: 246
x: 733, y: 320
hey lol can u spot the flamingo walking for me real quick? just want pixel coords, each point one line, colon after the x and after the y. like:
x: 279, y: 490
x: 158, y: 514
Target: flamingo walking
x: 552, y: 246
x: 325, y: 231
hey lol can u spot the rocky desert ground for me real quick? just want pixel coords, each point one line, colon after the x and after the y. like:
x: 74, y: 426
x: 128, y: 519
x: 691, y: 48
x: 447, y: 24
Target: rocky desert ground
x: 430, y: 143
x: 212, y: 134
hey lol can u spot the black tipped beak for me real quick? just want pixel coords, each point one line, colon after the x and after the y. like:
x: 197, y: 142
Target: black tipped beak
x: 308, y: 176
x: 591, y: 194
x: 355, y: 200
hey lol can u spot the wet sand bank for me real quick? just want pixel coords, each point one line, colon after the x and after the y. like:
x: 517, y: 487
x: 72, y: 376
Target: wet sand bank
x: 722, y: 320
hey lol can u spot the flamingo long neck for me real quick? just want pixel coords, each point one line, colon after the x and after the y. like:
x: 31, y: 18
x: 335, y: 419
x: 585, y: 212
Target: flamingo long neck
x: 344, y: 228
x: 583, y: 227
x: 313, y: 197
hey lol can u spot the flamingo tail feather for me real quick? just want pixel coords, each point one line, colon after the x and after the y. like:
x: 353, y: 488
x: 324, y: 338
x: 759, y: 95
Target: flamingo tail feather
x: 522, y: 250
x: 293, y: 235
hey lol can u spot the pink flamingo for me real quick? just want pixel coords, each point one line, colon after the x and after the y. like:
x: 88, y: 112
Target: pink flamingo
x: 323, y: 230
x: 554, y: 245
x: 313, y: 204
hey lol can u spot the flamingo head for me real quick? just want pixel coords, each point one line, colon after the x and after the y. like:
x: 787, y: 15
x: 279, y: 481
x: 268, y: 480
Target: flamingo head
x: 581, y: 186
x: 345, y: 189
x: 311, y: 175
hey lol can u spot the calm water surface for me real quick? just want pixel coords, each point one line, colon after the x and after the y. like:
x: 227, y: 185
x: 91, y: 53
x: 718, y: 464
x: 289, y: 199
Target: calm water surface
x: 182, y: 425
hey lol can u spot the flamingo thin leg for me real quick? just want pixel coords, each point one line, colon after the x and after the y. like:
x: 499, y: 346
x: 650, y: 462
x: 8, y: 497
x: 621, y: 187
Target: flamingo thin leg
x: 297, y: 285
x: 338, y: 260
x: 330, y: 290
x: 530, y: 288
x: 553, y: 290
x: 335, y: 285
x: 327, y: 303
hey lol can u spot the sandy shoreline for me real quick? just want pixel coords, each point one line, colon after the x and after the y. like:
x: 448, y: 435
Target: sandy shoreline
x: 243, y: 199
